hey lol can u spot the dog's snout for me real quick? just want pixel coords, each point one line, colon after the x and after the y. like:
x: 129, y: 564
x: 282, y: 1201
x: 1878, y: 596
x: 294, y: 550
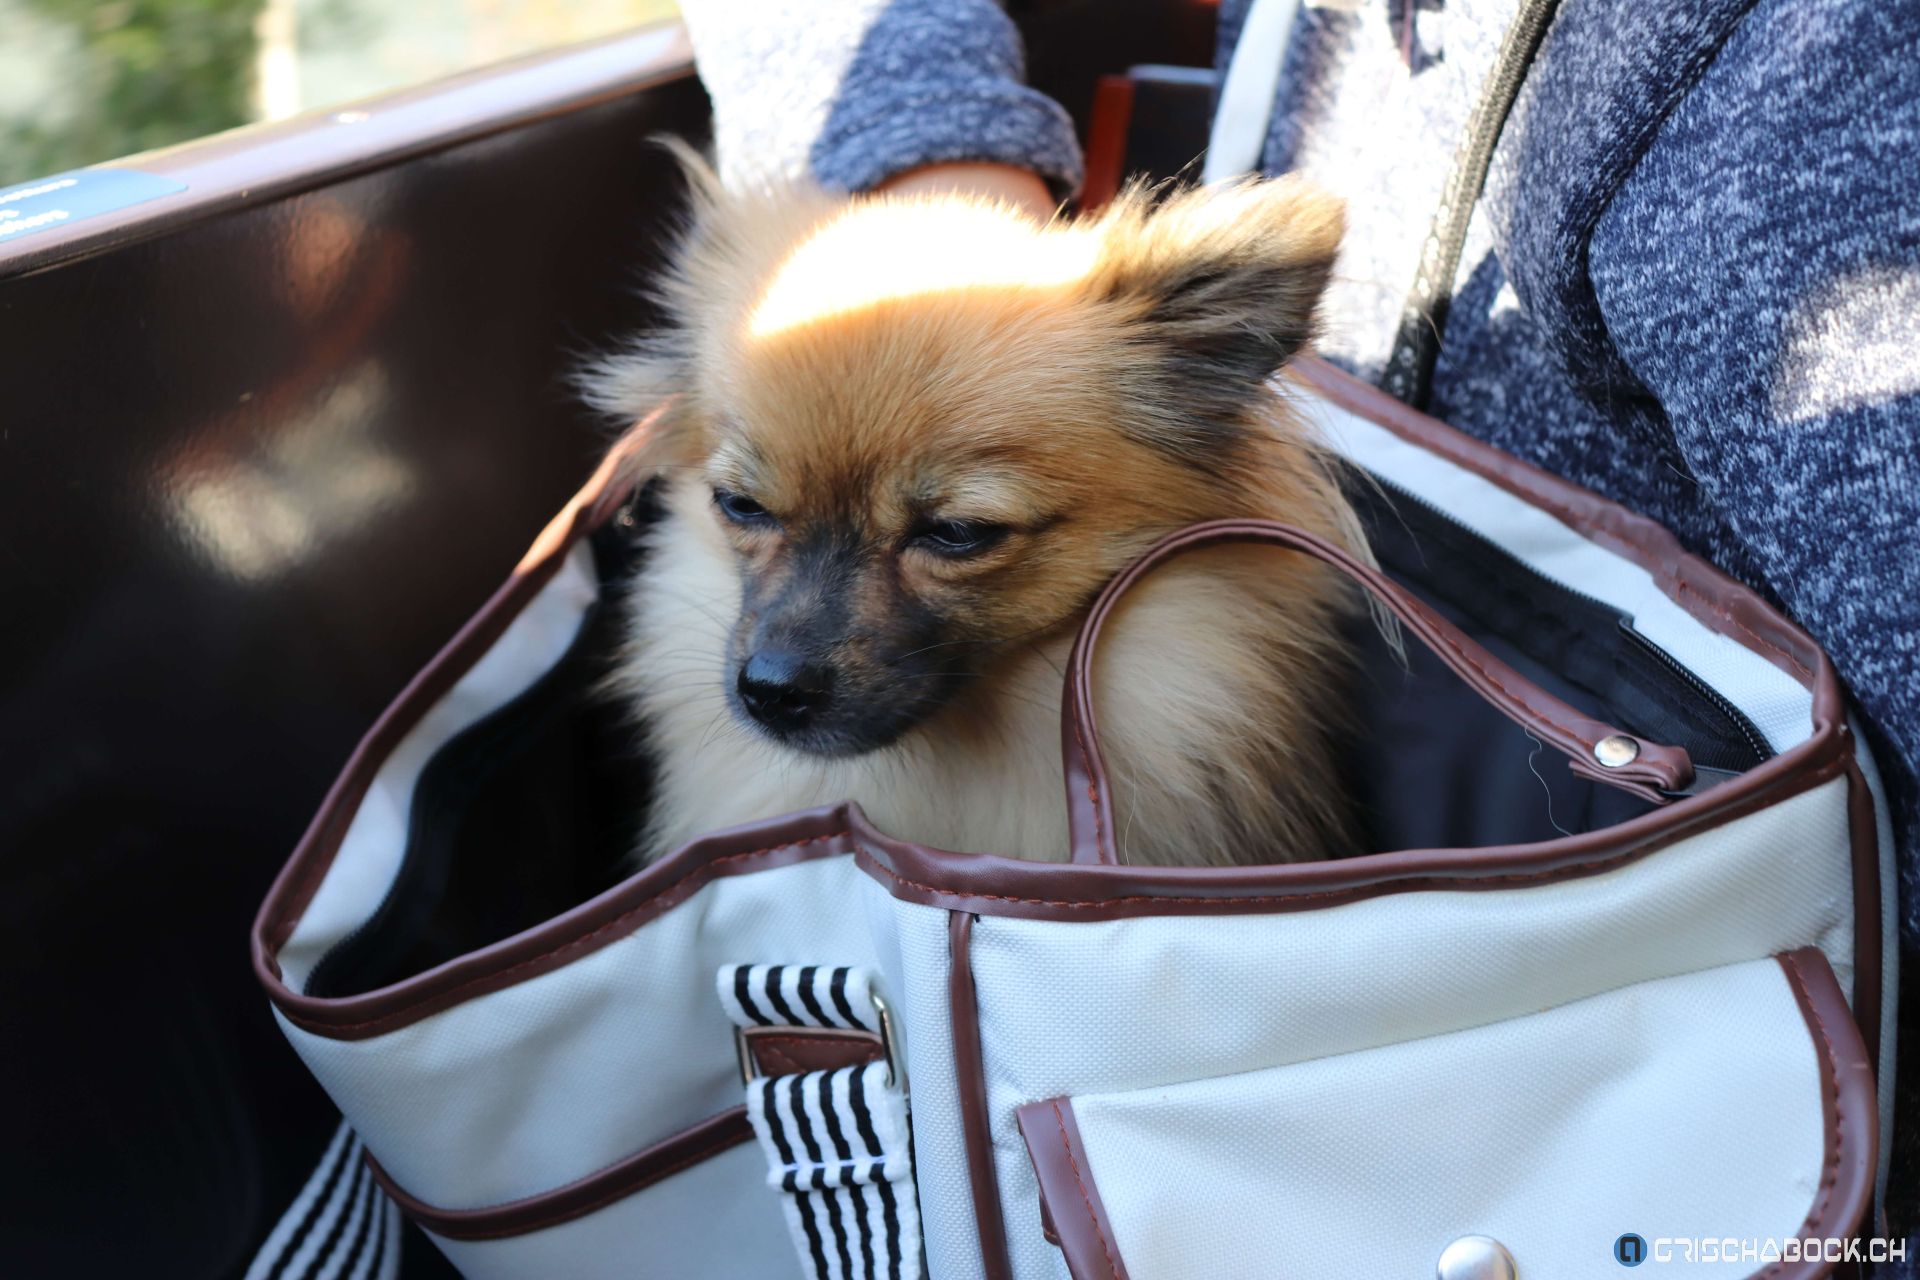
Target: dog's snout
x: 783, y: 690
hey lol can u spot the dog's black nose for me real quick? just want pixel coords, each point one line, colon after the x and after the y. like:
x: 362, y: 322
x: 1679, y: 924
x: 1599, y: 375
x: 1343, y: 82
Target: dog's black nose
x: 783, y: 690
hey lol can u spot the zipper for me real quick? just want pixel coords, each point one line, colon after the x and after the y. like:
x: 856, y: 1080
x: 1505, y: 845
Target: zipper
x: 1748, y: 731
x: 1548, y: 586
x: 1552, y: 589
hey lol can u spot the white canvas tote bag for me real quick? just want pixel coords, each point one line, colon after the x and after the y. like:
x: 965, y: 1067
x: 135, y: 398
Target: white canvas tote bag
x: 1617, y: 971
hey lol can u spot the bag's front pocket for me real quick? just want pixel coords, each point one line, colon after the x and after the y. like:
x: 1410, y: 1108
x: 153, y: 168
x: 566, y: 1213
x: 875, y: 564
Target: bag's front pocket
x: 693, y: 1205
x: 1671, y: 1120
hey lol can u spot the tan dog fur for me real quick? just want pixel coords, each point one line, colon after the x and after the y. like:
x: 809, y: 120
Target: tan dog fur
x: 861, y: 365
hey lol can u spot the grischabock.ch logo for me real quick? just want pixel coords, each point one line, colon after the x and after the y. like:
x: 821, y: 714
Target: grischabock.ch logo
x: 1631, y: 1249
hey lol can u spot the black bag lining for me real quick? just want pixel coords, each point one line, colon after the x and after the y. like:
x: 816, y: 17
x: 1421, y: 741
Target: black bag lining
x: 1590, y: 645
x: 533, y: 809
x: 524, y: 814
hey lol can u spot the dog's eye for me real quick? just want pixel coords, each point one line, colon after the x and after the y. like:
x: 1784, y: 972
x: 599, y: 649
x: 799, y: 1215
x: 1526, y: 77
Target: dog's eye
x: 739, y: 508
x: 958, y: 537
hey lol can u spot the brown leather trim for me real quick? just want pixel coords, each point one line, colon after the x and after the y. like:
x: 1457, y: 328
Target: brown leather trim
x: 671, y: 880
x: 1843, y: 1201
x: 787, y: 1051
x: 577, y: 1199
x: 249, y: 166
x: 1652, y: 774
x: 665, y: 884
x: 1716, y: 600
x: 1710, y: 596
x: 297, y: 882
x: 1069, y: 1200
x: 1863, y: 830
x: 1078, y: 1222
x: 976, y: 1124
x: 800, y: 837
x: 1005, y: 886
x: 990, y: 885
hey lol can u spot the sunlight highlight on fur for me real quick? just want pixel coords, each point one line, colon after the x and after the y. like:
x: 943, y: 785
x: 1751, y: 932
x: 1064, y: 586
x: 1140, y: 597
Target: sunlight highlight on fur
x: 893, y: 249
x: 862, y: 370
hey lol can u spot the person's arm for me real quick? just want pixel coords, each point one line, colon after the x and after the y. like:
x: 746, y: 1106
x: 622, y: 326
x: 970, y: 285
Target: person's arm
x: 1022, y: 188
x: 855, y: 93
x: 1760, y: 273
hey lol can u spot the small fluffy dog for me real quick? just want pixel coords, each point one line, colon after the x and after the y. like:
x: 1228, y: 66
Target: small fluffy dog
x: 905, y: 442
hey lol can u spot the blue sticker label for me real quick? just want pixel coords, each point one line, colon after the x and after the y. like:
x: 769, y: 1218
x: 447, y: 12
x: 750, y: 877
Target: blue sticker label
x: 46, y: 203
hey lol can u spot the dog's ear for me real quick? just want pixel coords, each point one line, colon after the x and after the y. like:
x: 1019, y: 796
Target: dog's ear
x: 727, y: 244
x: 643, y: 387
x: 643, y: 391
x: 1216, y: 288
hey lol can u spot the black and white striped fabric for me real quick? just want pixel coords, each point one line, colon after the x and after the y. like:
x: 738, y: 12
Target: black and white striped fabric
x: 340, y: 1227
x: 793, y: 995
x: 838, y: 1146
x: 837, y: 1151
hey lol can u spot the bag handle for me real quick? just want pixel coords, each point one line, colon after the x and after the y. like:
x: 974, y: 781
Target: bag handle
x: 1594, y: 749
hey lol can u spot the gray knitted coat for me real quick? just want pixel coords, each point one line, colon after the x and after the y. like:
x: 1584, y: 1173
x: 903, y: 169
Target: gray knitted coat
x: 1693, y: 284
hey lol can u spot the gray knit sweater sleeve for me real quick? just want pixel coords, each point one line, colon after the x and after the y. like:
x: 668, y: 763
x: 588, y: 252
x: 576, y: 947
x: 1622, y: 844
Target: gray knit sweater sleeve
x: 855, y: 91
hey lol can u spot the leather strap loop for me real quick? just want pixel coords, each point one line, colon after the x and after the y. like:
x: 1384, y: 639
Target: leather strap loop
x: 1653, y: 774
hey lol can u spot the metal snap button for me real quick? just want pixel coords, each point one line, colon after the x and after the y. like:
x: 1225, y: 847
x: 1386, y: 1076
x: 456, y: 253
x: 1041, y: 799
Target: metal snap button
x: 1615, y: 750
x: 1476, y: 1258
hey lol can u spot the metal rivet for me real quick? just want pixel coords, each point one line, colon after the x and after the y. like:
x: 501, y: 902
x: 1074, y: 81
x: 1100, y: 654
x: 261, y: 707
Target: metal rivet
x: 1476, y: 1258
x: 1615, y: 750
